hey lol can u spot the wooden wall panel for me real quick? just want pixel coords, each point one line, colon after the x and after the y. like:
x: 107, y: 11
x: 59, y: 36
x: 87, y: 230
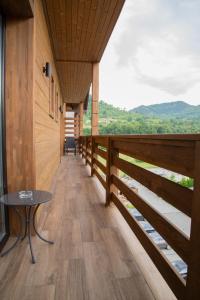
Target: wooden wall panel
x: 19, y: 104
x: 47, y: 130
x: 20, y: 156
x: 32, y: 136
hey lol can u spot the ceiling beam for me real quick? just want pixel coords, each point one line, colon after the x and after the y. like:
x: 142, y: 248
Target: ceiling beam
x: 76, y: 61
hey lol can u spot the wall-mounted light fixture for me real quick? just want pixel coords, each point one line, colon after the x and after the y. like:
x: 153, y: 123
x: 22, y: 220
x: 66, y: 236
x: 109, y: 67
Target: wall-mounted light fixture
x: 47, y: 69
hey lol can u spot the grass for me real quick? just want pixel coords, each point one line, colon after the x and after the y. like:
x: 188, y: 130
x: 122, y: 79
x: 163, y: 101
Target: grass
x: 185, y: 181
x: 129, y: 205
x: 137, y: 162
x: 134, y: 161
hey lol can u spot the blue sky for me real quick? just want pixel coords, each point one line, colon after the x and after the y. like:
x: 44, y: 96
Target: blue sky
x: 153, y: 55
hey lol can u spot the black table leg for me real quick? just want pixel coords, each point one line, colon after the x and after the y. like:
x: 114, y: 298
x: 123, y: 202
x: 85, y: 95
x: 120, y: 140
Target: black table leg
x: 25, y: 224
x: 19, y: 234
x: 28, y: 221
x: 43, y: 239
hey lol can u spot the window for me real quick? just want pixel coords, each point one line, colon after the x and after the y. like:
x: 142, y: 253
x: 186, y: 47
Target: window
x: 56, y: 106
x: 52, y: 98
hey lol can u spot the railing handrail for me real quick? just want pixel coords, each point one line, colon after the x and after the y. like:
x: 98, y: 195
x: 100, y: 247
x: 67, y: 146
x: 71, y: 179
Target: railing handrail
x: 185, y: 136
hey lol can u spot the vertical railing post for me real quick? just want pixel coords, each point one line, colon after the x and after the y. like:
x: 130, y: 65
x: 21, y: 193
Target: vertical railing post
x: 193, y: 278
x: 79, y: 145
x: 82, y: 145
x: 86, y: 146
x: 111, y: 170
x: 108, y: 177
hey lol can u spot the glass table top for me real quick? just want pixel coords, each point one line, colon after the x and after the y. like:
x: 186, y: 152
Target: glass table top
x: 26, y: 198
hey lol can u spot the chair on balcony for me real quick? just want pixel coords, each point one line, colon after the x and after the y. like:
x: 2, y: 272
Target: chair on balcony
x: 70, y: 145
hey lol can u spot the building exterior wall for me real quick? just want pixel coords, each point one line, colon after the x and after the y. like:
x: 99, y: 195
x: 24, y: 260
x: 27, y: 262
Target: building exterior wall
x: 19, y: 54
x: 20, y: 154
x: 47, y: 130
x: 33, y: 145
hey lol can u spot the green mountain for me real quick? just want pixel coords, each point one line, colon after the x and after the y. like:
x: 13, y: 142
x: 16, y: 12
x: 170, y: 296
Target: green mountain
x: 174, y: 117
x: 107, y: 110
x: 177, y: 109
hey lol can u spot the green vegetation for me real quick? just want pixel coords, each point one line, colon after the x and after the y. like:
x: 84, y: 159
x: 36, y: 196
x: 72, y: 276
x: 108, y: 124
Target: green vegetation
x: 129, y: 205
x: 174, y: 117
x: 137, y: 162
x: 113, y: 120
x: 185, y: 181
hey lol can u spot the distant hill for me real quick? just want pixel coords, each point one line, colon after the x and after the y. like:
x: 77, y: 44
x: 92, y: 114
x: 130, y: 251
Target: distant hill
x: 177, y: 109
x: 174, y: 117
x: 107, y: 110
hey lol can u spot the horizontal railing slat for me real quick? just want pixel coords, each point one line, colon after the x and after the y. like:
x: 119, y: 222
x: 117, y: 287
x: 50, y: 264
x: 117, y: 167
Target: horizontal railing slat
x: 175, y: 158
x: 100, y: 141
x: 100, y: 165
x: 103, y: 182
x: 177, y: 195
x: 89, y: 162
x: 178, y: 240
x: 156, y: 137
x: 100, y: 152
x: 89, y: 154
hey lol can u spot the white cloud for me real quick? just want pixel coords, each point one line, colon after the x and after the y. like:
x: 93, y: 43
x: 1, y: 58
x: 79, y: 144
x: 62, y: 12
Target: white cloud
x: 156, y: 47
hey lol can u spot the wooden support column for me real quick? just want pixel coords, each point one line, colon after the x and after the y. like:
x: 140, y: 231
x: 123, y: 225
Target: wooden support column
x: 86, y: 146
x: 81, y: 119
x: 193, y: 279
x: 76, y: 125
x: 95, y: 100
x: 92, y: 155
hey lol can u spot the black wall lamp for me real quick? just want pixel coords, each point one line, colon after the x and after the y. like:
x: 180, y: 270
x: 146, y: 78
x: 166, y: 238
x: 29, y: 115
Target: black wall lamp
x: 47, y: 69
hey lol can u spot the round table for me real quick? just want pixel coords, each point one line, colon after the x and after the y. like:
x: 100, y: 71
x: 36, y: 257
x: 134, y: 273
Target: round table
x: 31, y: 202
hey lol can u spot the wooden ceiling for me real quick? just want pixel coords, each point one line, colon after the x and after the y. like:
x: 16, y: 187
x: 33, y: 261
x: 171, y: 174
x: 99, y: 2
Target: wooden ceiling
x: 75, y: 80
x: 80, y: 30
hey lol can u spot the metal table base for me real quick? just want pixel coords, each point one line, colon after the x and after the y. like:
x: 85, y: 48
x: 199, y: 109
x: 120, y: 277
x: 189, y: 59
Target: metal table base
x: 27, y: 219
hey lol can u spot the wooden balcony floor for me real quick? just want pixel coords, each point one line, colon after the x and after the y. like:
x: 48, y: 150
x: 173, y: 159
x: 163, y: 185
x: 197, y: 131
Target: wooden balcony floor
x: 95, y: 255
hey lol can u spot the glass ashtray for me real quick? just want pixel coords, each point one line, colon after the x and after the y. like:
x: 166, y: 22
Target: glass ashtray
x: 25, y: 194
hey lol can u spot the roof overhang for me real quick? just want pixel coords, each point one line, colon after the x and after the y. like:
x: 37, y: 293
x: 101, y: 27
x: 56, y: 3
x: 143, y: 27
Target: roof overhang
x: 79, y: 31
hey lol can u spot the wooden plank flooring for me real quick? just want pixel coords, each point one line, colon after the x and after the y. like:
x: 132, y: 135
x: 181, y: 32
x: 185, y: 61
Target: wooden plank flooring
x: 95, y: 256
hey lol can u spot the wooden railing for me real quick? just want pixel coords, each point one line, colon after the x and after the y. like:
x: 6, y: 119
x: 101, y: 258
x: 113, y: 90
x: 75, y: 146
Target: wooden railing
x: 178, y: 153
x: 71, y: 126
